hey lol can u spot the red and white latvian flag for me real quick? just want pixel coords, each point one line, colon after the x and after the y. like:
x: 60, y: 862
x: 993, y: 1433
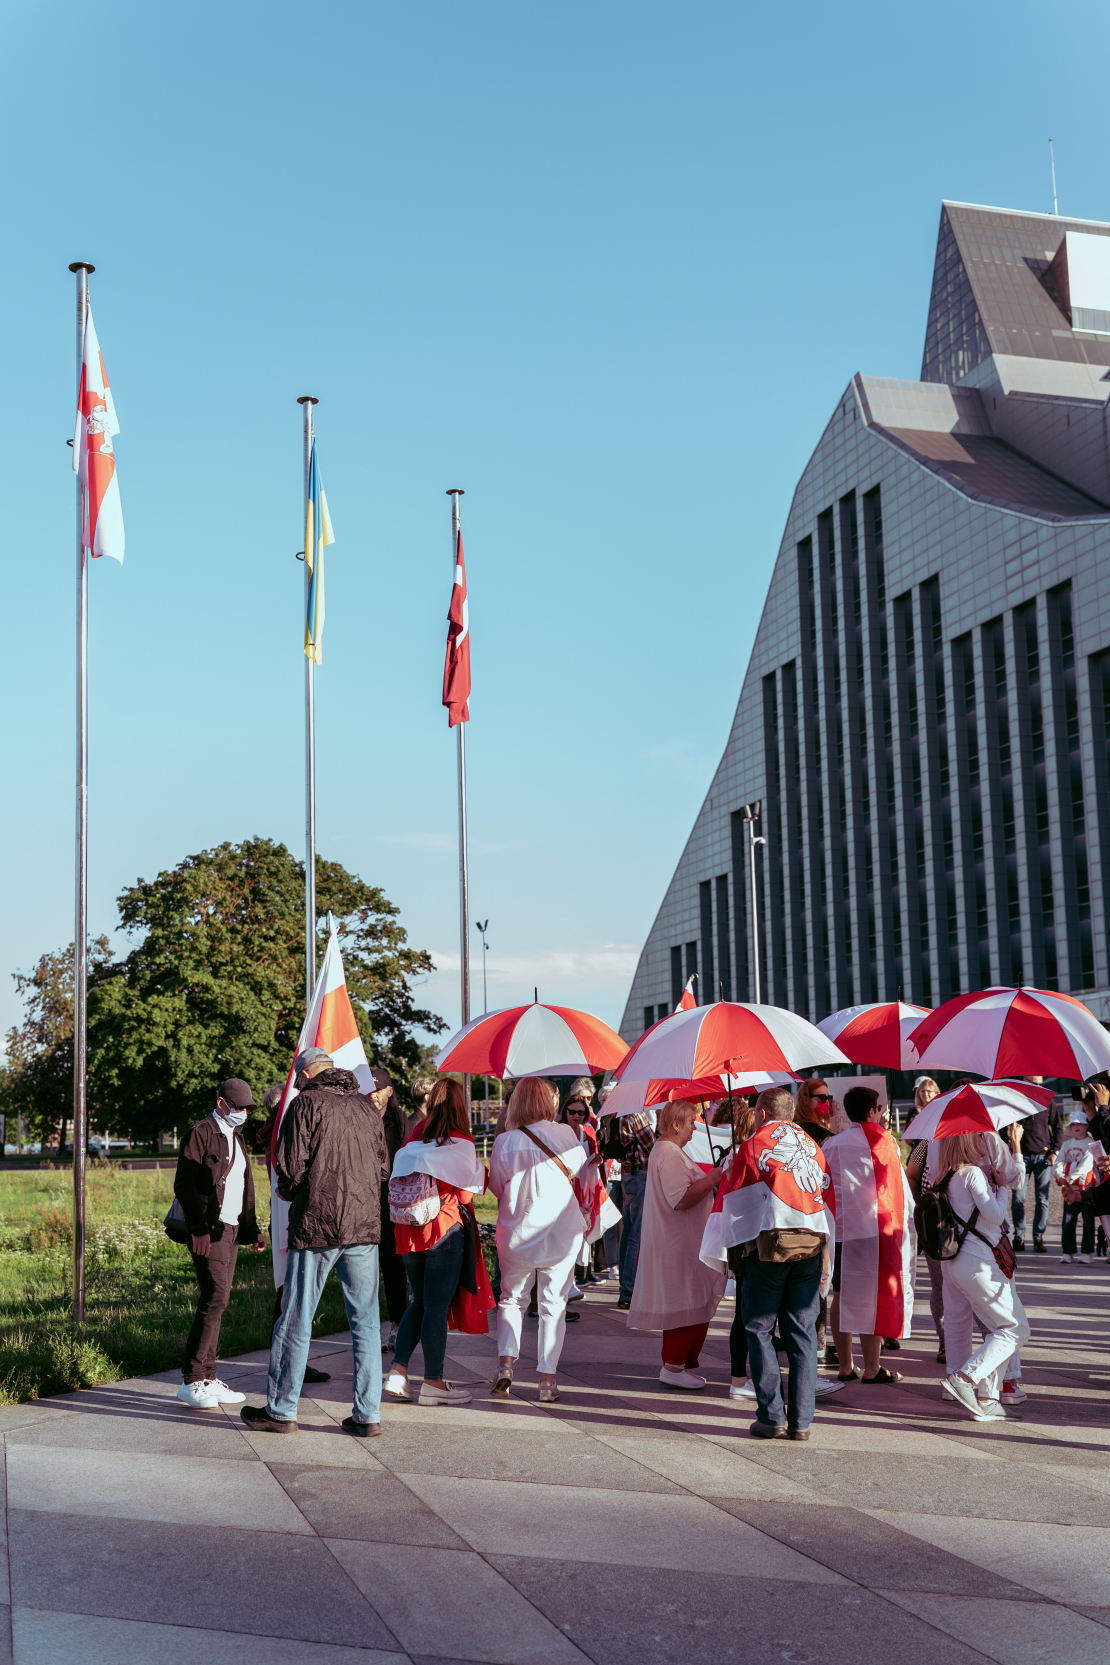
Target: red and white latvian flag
x: 93, y: 459
x: 456, y: 669
x: 778, y: 1181
x: 874, y: 1231
x: 331, y: 1024
x: 689, y: 998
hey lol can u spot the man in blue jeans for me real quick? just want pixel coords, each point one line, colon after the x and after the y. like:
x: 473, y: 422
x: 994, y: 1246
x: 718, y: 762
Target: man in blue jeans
x: 331, y: 1162
x: 636, y: 1140
x: 1040, y: 1139
x: 783, y: 1185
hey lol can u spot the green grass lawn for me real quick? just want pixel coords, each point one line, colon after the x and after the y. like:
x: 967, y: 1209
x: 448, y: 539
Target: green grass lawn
x: 140, y: 1288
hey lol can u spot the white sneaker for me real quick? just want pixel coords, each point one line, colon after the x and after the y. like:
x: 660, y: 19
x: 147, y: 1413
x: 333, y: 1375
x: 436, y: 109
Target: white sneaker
x: 198, y: 1396
x: 1084, y: 1260
x: 683, y: 1379
x: 1065, y: 1260
x: 224, y: 1394
x: 730, y: 1290
x: 449, y: 1395
x: 744, y: 1391
x: 397, y: 1386
x: 1013, y: 1393
x: 823, y: 1386
x: 963, y: 1392
x: 576, y: 1294
x: 991, y: 1411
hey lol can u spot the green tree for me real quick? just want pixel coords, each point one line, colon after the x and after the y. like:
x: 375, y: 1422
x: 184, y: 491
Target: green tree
x: 39, y: 1080
x: 215, y: 984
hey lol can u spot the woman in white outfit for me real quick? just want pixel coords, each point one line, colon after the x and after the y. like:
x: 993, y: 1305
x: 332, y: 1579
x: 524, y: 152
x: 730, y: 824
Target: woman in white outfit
x: 974, y: 1286
x: 539, y: 1226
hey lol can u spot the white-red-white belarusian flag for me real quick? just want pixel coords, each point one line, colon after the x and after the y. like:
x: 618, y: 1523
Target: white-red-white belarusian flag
x: 874, y: 1231
x: 331, y: 1024
x: 778, y: 1181
x: 689, y: 999
x: 456, y: 669
x: 93, y: 458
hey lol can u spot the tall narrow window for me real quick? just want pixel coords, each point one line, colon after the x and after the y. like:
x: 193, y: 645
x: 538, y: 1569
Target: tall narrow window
x: 812, y: 797
x: 707, y: 988
x: 772, y: 864
x: 935, y: 715
x: 970, y: 804
x: 796, y: 910
x: 885, y: 907
x: 917, y: 983
x: 649, y: 1016
x: 1069, y: 774
x: 724, y: 955
x: 838, y: 955
x: 692, y: 966
x: 677, y: 979
x: 741, y: 887
x: 1000, y: 781
x: 1035, y: 784
x: 1100, y: 725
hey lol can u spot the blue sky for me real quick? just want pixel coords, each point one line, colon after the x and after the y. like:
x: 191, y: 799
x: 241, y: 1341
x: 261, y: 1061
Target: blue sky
x: 605, y: 266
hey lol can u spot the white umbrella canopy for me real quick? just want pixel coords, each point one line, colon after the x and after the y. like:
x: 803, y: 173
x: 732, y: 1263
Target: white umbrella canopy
x: 1001, y: 1033
x: 728, y: 1037
x: 986, y: 1106
x: 877, y: 1034
x: 533, y: 1040
x: 629, y: 1096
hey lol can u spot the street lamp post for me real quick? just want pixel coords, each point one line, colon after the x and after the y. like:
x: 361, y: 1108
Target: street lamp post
x: 481, y: 926
x: 750, y: 814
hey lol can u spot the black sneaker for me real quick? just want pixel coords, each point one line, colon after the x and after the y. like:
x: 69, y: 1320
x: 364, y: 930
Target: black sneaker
x: 623, y: 1305
x: 259, y: 1418
x: 1019, y: 1244
x: 311, y: 1375
x: 1039, y: 1247
x: 891, y: 1344
x: 361, y: 1430
x: 832, y: 1357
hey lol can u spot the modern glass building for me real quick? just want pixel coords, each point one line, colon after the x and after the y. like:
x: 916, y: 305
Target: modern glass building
x: 925, y: 717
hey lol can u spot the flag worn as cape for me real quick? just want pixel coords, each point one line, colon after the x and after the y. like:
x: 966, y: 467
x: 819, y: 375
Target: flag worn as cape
x: 874, y: 1231
x: 778, y: 1180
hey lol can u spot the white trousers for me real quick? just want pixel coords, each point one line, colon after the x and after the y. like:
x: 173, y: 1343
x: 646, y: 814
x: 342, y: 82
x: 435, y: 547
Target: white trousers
x: 553, y: 1285
x: 975, y: 1288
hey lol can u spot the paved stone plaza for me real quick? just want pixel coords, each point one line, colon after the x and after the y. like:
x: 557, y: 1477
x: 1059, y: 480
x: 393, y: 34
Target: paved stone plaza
x: 623, y: 1525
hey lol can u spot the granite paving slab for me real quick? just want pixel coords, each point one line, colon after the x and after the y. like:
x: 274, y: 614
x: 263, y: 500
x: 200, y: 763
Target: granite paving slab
x: 44, y: 1638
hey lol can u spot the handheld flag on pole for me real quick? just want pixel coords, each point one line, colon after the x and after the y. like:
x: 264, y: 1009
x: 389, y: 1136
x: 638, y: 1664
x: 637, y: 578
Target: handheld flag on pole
x: 317, y: 535
x: 94, y: 462
x: 456, y: 669
x: 689, y: 999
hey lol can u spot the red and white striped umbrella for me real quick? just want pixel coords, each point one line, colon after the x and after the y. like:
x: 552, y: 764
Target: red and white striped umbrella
x: 533, y: 1040
x: 1007, y: 1032
x: 628, y: 1096
x: 876, y: 1034
x: 978, y: 1109
x: 728, y: 1037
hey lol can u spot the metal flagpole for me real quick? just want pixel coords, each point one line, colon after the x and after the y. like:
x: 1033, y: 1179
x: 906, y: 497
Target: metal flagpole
x: 307, y: 401
x: 454, y: 493
x: 81, y: 269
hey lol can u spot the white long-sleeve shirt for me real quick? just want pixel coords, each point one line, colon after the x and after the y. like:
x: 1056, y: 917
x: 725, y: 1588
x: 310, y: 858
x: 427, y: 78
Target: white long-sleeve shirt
x: 539, y: 1218
x: 970, y: 1189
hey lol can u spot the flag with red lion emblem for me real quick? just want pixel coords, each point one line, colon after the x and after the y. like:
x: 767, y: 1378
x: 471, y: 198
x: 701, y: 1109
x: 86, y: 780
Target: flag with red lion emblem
x: 778, y: 1181
x: 93, y: 458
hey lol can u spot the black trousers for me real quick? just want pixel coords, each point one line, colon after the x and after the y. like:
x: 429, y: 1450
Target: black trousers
x: 215, y: 1276
x: 391, y: 1267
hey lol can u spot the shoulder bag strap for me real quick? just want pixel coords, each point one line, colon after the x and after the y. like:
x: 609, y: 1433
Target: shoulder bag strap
x: 562, y: 1167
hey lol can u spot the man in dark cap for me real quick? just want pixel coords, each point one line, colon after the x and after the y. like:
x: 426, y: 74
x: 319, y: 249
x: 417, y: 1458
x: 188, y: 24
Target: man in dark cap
x: 215, y: 1188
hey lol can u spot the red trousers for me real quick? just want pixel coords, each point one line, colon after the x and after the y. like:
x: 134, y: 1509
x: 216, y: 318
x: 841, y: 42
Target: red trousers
x: 682, y: 1347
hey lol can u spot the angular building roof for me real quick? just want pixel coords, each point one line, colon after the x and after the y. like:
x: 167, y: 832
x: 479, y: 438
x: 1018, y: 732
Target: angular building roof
x: 997, y: 289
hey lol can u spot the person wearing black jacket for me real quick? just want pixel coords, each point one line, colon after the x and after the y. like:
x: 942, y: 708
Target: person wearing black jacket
x: 396, y: 1127
x: 330, y: 1162
x: 215, y: 1188
x: 1040, y: 1139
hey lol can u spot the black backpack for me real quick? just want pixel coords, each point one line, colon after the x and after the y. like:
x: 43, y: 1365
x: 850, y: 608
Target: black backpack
x: 940, y: 1232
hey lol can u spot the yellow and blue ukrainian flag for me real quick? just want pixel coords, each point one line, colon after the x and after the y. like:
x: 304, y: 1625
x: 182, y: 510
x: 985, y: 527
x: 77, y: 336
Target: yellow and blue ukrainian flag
x: 317, y: 535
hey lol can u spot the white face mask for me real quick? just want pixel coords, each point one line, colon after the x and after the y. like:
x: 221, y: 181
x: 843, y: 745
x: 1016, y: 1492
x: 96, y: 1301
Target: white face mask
x: 233, y: 1118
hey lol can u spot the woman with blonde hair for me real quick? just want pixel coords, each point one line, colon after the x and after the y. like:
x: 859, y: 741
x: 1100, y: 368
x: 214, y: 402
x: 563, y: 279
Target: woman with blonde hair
x: 979, y: 1198
x: 540, y: 1227
x: 676, y: 1292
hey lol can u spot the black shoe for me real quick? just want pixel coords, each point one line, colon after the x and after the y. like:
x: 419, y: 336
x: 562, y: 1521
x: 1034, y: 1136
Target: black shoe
x: 1019, y: 1244
x: 942, y: 1357
x: 533, y: 1312
x: 797, y: 1433
x: 832, y: 1357
x: 589, y: 1278
x: 624, y: 1305
x: 1039, y: 1246
x: 768, y: 1430
x: 311, y: 1375
x: 891, y: 1345
x: 573, y: 1317
x: 259, y: 1418
x: 361, y: 1430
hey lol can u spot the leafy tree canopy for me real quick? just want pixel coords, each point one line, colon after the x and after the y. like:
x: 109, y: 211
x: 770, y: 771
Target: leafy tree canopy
x: 215, y: 984
x: 38, y: 1084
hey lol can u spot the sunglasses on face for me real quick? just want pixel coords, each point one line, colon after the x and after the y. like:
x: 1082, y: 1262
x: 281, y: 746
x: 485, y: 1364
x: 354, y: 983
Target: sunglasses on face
x: 820, y: 1098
